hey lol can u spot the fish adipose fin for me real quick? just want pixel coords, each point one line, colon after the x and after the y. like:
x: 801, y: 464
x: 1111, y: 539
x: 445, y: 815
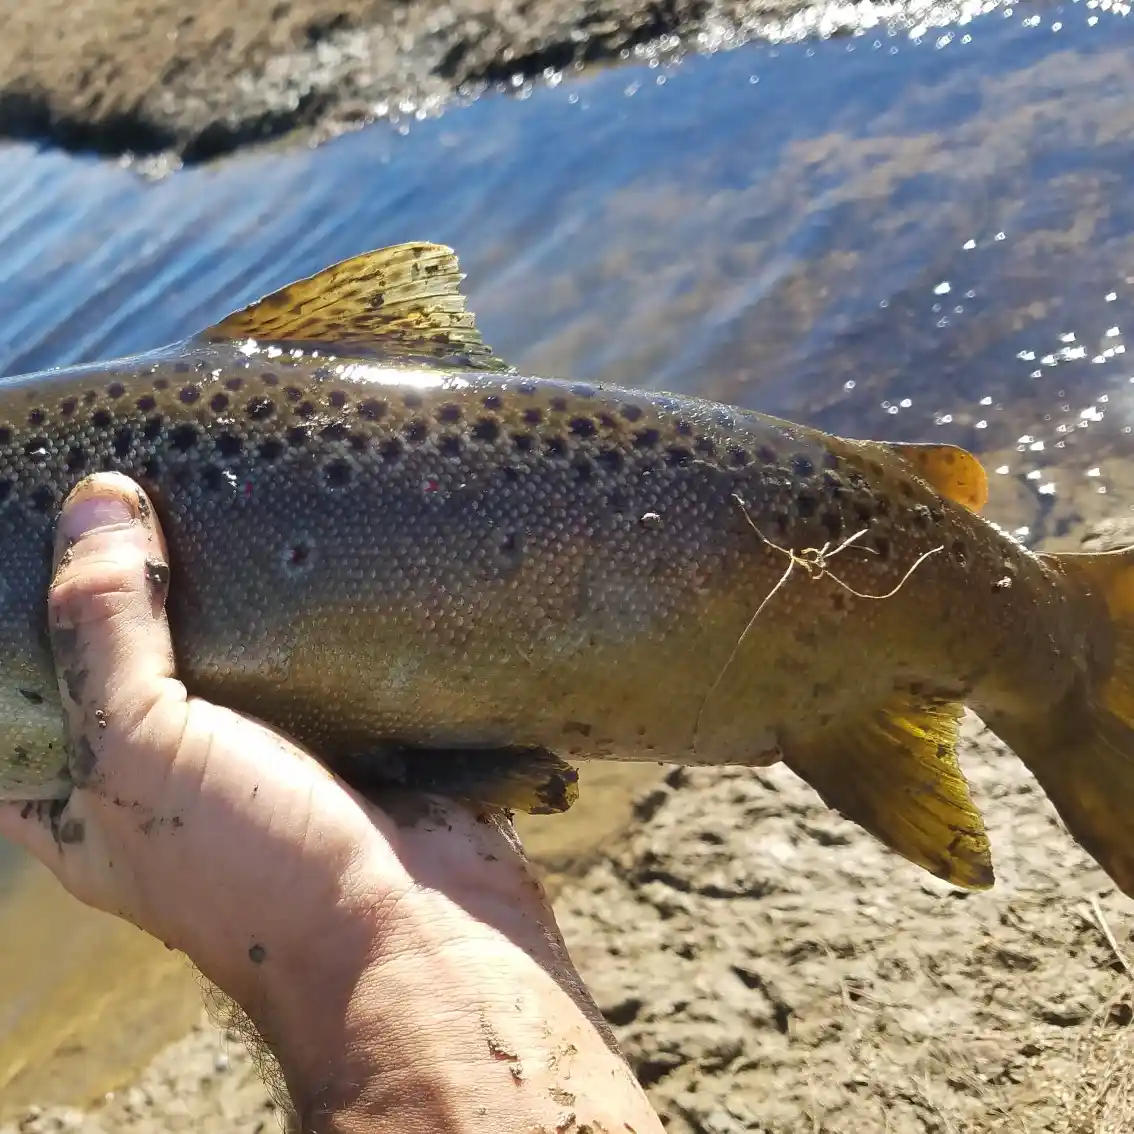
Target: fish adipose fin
x: 532, y: 780
x: 1081, y: 750
x: 949, y: 470
x: 399, y: 302
x: 895, y: 773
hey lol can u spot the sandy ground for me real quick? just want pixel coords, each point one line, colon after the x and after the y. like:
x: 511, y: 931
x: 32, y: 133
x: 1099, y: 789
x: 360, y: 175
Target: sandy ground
x: 769, y: 967
x: 204, y: 77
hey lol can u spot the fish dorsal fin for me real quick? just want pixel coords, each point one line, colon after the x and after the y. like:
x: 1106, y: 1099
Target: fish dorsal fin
x: 948, y: 469
x: 894, y: 771
x: 401, y: 302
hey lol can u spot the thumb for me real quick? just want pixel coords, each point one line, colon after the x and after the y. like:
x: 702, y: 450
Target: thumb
x: 112, y: 650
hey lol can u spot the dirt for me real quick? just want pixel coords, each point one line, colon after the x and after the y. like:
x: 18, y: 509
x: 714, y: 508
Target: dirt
x: 199, y: 79
x: 769, y: 967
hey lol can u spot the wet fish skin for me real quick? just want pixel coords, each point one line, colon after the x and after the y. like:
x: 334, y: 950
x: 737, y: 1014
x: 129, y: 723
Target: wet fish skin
x: 435, y: 571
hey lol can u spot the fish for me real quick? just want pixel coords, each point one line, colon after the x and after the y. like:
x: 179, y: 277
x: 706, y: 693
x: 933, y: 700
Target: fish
x: 441, y: 574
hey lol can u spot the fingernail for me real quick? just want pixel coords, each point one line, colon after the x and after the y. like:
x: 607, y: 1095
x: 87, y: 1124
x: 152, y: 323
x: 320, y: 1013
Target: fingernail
x: 99, y: 510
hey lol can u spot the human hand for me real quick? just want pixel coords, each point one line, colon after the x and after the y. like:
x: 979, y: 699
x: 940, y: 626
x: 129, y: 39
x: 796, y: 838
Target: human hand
x: 403, y: 964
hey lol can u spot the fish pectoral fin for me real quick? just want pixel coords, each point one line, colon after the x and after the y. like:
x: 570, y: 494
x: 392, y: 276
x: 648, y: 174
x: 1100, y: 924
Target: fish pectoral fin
x: 402, y: 302
x: 517, y: 778
x: 948, y: 469
x: 895, y: 773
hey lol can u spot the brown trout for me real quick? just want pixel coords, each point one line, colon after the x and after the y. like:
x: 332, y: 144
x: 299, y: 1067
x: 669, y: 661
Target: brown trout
x: 436, y: 572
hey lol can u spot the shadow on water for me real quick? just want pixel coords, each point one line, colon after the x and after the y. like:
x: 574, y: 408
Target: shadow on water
x: 885, y: 235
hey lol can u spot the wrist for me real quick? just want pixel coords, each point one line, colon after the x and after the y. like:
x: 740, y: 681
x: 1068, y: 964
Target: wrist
x: 451, y: 1029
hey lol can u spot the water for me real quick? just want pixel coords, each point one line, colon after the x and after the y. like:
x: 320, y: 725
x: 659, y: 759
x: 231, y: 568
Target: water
x: 919, y: 238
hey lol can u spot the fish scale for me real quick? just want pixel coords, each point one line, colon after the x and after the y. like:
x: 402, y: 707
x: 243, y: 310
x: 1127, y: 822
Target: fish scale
x: 438, y: 573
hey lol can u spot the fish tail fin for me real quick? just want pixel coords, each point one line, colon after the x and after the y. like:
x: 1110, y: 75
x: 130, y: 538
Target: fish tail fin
x: 1081, y: 749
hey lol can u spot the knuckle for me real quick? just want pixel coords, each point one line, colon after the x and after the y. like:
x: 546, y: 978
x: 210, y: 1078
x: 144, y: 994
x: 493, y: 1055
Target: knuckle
x: 97, y: 588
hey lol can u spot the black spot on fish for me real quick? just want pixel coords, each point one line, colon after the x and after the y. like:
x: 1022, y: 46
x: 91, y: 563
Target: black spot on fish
x: 5, y: 435
x: 738, y: 456
x: 610, y: 460
x: 449, y: 445
x: 36, y: 450
x: 234, y: 384
x: 90, y: 397
x: 525, y: 442
x: 582, y: 426
x: 229, y: 445
x: 805, y: 504
x: 182, y: 367
x: 219, y: 403
x: 631, y: 412
x: 305, y: 409
x: 555, y: 445
x: 832, y: 520
x: 260, y: 409
x: 646, y: 438
x: 678, y: 457
x: 271, y: 449
x: 919, y: 517
x: 115, y: 390
x: 153, y: 428
x: 298, y: 554
x: 882, y: 546
x: 584, y: 469
x: 372, y: 409
x: 76, y: 460
x: 213, y: 478
x: 486, y: 429
x: 905, y: 488
x: 607, y: 422
x: 43, y: 498
x: 338, y: 473
x: 5, y: 489
x: 20, y: 756
x: 511, y: 545
x: 36, y: 417
x: 449, y: 413
x: 802, y: 465
x: 683, y: 429
x: 492, y: 401
x: 412, y: 401
x: 123, y: 441
x: 297, y: 435
x: 338, y: 399
x: 830, y: 460
x: 704, y: 446
x: 184, y: 437
x: 189, y: 394
x: 533, y: 415
x: 359, y: 442
x: 151, y: 469
x: 146, y: 403
x: 391, y: 449
x: 270, y: 378
x: 864, y: 511
x: 559, y: 405
x: 257, y: 954
x: 416, y: 432
x: 101, y: 419
x: 336, y: 431
x: 576, y: 728
x: 32, y: 696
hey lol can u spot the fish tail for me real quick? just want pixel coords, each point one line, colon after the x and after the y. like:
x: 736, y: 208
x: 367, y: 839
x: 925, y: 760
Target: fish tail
x: 1081, y: 749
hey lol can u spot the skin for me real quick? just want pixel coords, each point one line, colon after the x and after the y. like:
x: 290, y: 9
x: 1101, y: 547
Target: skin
x: 414, y: 978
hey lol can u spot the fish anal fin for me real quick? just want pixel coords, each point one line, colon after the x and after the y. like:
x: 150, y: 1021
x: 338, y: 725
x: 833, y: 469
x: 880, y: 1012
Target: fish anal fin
x: 404, y: 301
x: 894, y: 772
x: 948, y: 469
x: 520, y: 778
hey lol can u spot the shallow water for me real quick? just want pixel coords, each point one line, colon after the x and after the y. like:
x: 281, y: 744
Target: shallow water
x: 921, y: 237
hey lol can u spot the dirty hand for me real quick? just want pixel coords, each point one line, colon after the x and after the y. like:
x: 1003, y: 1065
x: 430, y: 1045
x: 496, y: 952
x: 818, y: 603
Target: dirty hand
x: 403, y: 965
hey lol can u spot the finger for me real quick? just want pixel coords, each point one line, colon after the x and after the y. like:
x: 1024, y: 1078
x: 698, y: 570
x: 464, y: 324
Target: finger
x: 109, y: 632
x: 35, y: 828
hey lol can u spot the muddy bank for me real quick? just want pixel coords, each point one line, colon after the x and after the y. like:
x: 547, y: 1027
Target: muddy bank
x: 769, y: 967
x: 202, y: 79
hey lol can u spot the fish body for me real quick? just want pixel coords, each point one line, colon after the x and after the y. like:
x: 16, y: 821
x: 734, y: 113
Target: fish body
x: 437, y: 572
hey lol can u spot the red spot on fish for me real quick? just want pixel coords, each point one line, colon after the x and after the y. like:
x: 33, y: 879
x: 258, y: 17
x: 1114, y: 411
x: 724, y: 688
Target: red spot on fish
x: 247, y: 490
x: 431, y: 484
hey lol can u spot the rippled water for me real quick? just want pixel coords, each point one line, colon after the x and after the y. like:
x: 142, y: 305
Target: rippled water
x: 926, y: 237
